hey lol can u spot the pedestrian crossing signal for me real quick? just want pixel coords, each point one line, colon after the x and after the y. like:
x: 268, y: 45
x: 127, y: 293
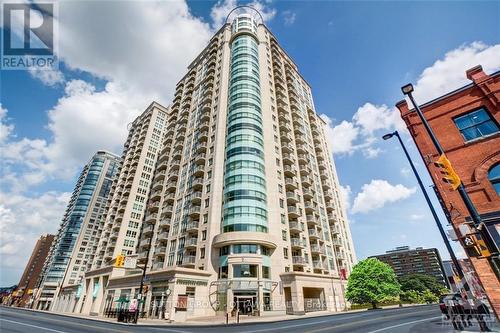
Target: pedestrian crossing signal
x: 450, y: 176
x: 120, y: 260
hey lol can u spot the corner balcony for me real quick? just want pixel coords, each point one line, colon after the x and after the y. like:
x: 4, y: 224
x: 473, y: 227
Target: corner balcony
x: 188, y: 261
x: 192, y: 226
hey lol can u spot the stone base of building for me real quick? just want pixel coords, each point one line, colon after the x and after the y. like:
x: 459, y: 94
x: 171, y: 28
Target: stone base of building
x: 179, y: 294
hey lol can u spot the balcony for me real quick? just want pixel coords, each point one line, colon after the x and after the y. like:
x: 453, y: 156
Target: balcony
x: 312, y: 220
x: 165, y: 223
x: 162, y: 236
x: 154, y: 206
x: 156, y: 194
x: 195, y: 211
x: 167, y: 210
x: 307, y: 180
x: 157, y: 185
x: 144, y: 243
x: 335, y: 229
x: 287, y: 148
x: 295, y: 226
x: 160, y: 251
x: 297, y: 243
x: 200, y: 158
x: 288, y: 158
x: 289, y: 170
x: 188, y: 260
x: 313, y: 234
x: 294, y: 211
x: 307, y: 193
x: 191, y: 243
x: 336, y: 242
x: 158, y: 265
x: 317, y: 264
x: 151, y: 218
x: 196, y: 197
x: 199, y: 170
x: 316, y: 249
x: 147, y: 230
x: 309, y: 206
x: 171, y: 185
x: 291, y: 183
x: 296, y: 260
x: 292, y: 197
x: 197, y: 183
x: 192, y: 226
x: 341, y: 256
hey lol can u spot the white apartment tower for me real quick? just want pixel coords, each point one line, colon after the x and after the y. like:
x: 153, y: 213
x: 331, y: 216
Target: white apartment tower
x: 244, y: 211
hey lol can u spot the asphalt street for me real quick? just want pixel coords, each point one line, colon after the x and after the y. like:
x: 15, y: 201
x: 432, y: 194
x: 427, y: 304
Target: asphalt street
x: 422, y: 319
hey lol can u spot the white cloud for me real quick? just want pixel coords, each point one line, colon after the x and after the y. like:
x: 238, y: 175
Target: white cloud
x: 359, y: 133
x: 49, y: 78
x: 345, y: 192
x: 448, y: 74
x: 289, y: 17
x: 220, y: 11
x: 5, y: 128
x: 371, y: 152
x: 222, y: 8
x: 378, y: 193
x: 415, y: 217
x: 371, y: 118
x: 24, y: 219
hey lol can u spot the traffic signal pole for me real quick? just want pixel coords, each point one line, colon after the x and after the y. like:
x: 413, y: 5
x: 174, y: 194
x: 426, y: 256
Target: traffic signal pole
x: 434, y: 214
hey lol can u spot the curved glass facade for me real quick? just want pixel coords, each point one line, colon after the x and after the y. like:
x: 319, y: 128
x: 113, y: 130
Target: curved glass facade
x: 244, y: 206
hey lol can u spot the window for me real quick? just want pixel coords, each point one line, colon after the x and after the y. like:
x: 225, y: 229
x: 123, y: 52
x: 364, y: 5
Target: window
x: 244, y: 271
x: 494, y: 177
x: 476, y: 124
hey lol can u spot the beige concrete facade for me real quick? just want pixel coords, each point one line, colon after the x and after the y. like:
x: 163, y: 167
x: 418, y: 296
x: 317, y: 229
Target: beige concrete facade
x: 198, y: 263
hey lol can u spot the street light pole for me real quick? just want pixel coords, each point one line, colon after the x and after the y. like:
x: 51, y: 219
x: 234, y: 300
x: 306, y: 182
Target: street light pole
x: 431, y: 207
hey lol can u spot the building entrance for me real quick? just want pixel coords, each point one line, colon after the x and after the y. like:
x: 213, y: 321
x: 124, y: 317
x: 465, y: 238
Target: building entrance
x: 246, y: 304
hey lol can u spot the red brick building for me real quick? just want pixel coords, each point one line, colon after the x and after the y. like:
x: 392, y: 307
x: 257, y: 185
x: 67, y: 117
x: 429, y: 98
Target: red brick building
x: 466, y: 123
x: 32, y: 271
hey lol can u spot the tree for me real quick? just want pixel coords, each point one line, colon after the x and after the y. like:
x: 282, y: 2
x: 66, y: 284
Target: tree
x: 372, y: 281
x: 421, y: 283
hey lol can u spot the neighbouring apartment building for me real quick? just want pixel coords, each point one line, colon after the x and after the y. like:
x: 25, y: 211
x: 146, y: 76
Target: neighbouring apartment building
x: 123, y: 218
x: 405, y: 261
x: 75, y: 244
x: 242, y: 206
x: 23, y: 295
x: 466, y: 123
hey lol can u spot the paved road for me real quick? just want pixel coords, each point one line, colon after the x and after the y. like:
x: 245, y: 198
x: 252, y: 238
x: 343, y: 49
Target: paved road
x: 423, y: 319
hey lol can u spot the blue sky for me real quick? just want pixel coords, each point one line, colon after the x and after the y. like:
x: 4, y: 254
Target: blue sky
x: 355, y: 56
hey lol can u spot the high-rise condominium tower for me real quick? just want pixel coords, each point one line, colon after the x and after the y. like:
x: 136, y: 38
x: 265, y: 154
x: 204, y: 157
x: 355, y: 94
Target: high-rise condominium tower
x: 76, y: 241
x: 244, y: 210
x: 131, y: 187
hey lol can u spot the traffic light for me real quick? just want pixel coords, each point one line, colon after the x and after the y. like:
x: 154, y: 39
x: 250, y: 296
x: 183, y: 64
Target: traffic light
x: 120, y: 260
x: 450, y: 175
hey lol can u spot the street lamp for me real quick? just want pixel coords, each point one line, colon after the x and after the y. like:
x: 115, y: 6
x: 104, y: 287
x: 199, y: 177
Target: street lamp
x: 431, y: 207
